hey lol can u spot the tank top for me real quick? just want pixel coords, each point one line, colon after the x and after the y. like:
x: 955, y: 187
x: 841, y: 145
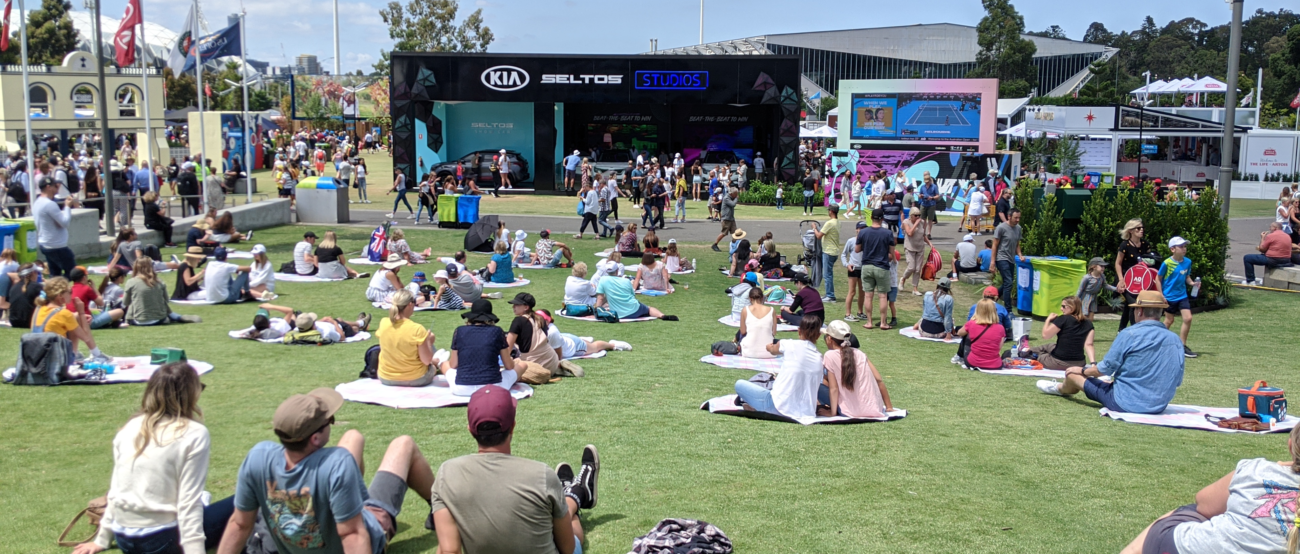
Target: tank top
x: 758, y: 336
x: 381, y: 283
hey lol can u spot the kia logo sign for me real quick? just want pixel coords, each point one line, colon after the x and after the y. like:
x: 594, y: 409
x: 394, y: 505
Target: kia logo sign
x: 504, y: 78
x: 1212, y: 85
x: 1270, y: 152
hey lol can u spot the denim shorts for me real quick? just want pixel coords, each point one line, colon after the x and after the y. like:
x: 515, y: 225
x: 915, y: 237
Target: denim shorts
x: 893, y: 294
x: 643, y: 311
x: 1102, y: 392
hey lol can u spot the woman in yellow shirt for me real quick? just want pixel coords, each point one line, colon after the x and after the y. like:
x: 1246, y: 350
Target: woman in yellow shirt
x: 405, y: 347
x: 54, y: 316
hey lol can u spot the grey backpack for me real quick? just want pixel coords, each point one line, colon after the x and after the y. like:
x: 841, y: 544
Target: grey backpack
x: 43, y: 358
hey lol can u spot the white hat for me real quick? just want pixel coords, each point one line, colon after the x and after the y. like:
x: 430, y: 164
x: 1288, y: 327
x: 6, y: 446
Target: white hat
x: 441, y: 274
x: 968, y: 238
x: 1177, y: 241
x: 259, y: 249
x: 520, y: 235
x: 575, y: 152
x: 677, y: 155
x: 394, y: 261
x: 612, y: 268
x: 672, y: 241
x: 838, y: 330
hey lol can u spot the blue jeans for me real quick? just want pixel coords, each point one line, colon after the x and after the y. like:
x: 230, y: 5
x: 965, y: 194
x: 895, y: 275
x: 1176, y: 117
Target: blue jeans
x: 780, y: 203
x: 172, y: 317
x: 421, y: 209
x: 807, y: 201
x: 168, y: 541
x: 1252, y: 260
x: 238, y: 288
x: 60, y: 260
x: 828, y: 273
x: 760, y: 398
x: 1007, y: 270
x: 603, y: 219
x: 401, y: 199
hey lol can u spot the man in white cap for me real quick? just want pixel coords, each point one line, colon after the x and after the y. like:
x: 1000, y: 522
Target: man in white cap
x: 571, y: 169
x: 966, y: 259
x: 313, y: 497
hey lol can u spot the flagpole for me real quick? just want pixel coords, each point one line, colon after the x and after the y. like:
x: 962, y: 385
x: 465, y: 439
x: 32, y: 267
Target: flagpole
x: 198, y: 96
x: 27, y: 96
x: 105, y: 144
x: 144, y: 79
x: 248, y: 134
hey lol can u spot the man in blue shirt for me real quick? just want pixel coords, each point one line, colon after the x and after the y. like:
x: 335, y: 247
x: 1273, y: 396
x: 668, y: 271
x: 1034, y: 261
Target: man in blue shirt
x: 571, y: 169
x: 986, y: 256
x: 143, y: 179
x: 1004, y: 317
x: 929, y: 193
x: 1175, y: 276
x: 313, y: 498
x: 1146, y: 362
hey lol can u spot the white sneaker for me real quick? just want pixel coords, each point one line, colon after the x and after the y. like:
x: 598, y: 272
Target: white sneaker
x: 440, y: 356
x: 956, y: 359
x: 620, y: 346
x: 412, y: 216
x: 1049, y: 386
x: 1259, y: 282
x: 389, y: 216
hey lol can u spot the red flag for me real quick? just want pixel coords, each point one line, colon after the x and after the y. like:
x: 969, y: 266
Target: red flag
x: 1295, y: 102
x: 4, y: 39
x: 207, y: 90
x: 124, y: 40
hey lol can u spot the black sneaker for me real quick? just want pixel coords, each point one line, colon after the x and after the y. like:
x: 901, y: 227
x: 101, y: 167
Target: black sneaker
x: 571, y: 486
x: 363, y: 320
x: 565, y: 472
x: 588, y: 475
x: 248, y: 235
x: 893, y: 322
x: 716, y: 249
x: 669, y: 318
x: 1188, y: 352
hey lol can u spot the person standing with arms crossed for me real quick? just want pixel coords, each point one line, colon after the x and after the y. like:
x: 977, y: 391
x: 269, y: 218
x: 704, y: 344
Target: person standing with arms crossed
x: 1006, y: 248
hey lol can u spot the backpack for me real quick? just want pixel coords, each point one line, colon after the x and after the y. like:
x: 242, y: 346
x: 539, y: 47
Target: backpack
x: 578, y: 310
x: 74, y: 184
x: 120, y: 182
x: 606, y: 315
x: 371, y: 369
x: 312, y: 337
x: 43, y: 358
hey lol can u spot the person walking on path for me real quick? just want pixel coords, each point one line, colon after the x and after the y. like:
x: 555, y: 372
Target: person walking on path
x: 399, y: 186
x: 1006, y: 246
x: 829, y: 234
x: 728, y: 212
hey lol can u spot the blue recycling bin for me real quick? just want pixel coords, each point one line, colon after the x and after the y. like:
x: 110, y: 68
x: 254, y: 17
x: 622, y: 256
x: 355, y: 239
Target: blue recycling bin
x: 467, y: 209
x: 900, y: 223
x: 1025, y: 285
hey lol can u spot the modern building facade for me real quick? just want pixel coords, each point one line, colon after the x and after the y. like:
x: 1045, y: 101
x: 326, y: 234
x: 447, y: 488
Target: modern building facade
x: 931, y: 51
x: 306, y: 64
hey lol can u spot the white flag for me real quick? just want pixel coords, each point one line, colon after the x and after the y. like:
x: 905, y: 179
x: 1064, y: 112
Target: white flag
x: 1250, y: 97
x: 184, y: 40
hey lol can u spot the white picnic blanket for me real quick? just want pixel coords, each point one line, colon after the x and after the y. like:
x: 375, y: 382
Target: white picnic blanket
x: 140, y: 371
x: 734, y: 322
x: 770, y: 365
x: 727, y: 405
x: 589, y: 355
x: 1039, y: 373
x: 535, y: 266
x: 787, y: 301
x: 236, y: 255
x: 362, y: 261
x: 385, y: 306
x: 911, y: 333
x: 362, y: 336
x: 103, y: 270
x: 295, y: 278
x: 517, y: 283
x: 209, y: 302
x: 592, y: 318
x: 765, y: 279
x: 1193, y: 417
x: 436, y: 395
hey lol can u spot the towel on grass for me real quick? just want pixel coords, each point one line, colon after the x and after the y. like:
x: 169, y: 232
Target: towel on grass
x: 361, y: 336
x: 592, y: 318
x: 787, y: 301
x: 537, y: 266
x: 209, y: 302
x: 103, y: 270
x: 911, y: 333
x: 727, y: 405
x: 780, y: 327
x: 236, y: 255
x: 1039, y: 373
x: 765, y: 279
x: 385, y: 306
x: 435, y: 395
x: 295, y: 278
x: 645, y: 292
x: 770, y: 365
x: 517, y: 283
x: 140, y: 372
x: 1193, y: 417
x: 589, y: 355
x: 362, y: 261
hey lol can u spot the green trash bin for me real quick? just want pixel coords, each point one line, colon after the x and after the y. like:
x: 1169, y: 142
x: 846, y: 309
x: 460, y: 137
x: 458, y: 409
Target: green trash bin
x: 447, y: 210
x: 1054, y: 279
x: 24, y: 239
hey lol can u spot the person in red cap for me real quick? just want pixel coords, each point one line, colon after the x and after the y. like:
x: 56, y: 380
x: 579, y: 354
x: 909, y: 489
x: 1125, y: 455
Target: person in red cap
x: 492, y: 501
x: 313, y: 498
x: 1004, y: 316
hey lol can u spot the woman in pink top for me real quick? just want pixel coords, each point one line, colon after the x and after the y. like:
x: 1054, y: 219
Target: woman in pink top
x: 986, y: 334
x: 855, y: 387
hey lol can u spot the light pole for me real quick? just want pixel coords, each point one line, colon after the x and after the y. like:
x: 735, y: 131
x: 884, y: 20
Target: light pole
x: 701, y: 21
x: 337, y: 64
x: 1230, y: 107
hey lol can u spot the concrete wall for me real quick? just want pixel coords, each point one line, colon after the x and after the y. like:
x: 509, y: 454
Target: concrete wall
x: 86, y: 242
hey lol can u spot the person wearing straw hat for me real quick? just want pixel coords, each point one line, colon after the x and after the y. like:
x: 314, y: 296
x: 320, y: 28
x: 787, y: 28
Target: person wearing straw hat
x: 385, y: 282
x: 310, y: 493
x: 1145, y: 361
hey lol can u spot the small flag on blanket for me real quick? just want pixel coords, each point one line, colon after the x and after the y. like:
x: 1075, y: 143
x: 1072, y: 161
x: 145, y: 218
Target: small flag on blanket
x: 377, y: 250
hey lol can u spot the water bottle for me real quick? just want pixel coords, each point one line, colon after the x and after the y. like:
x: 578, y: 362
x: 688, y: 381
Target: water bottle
x: 1196, y: 287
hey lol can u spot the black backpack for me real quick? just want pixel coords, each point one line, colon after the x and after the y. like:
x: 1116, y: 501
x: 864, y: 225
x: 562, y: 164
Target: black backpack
x: 371, y: 370
x: 120, y: 182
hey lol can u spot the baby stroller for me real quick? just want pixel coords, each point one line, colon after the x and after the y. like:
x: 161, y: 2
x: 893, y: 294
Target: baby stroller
x: 811, y: 257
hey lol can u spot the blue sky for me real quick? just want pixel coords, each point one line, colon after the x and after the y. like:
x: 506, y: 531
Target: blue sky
x: 280, y: 30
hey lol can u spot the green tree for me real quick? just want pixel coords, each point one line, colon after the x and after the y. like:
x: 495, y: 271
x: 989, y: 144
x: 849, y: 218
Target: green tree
x: 1067, y: 154
x: 1055, y: 31
x: 430, y: 26
x: 179, y: 88
x: 1098, y: 34
x: 1004, y: 54
x: 50, y: 35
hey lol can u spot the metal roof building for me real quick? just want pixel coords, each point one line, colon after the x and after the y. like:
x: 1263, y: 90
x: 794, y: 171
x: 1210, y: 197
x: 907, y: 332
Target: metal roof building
x: 930, y: 51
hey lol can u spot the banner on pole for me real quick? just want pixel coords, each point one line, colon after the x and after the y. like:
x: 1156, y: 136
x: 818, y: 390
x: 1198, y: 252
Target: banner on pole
x: 216, y: 45
x: 184, y: 41
x: 124, y: 39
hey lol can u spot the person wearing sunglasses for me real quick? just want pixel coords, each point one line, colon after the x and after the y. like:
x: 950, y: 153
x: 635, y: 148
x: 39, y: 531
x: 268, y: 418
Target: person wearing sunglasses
x: 160, y: 468
x: 1131, y: 252
x: 313, y: 497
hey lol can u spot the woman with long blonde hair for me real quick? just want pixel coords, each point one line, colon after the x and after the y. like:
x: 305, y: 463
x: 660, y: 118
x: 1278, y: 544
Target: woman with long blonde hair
x: 160, y: 468
x: 330, y: 262
x: 1131, y: 251
x: 261, y: 275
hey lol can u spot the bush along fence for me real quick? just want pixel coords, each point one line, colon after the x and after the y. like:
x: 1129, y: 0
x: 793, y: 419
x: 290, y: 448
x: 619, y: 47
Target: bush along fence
x: 764, y: 194
x: 1047, y: 233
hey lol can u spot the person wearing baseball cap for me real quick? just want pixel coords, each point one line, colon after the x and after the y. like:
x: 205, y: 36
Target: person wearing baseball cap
x: 1004, y: 317
x: 1175, y: 277
x: 304, y: 261
x: 854, y: 386
x: 528, y: 334
x: 52, y: 222
x: 1090, y: 287
x: 492, y: 501
x: 876, y: 245
x: 465, y: 285
x: 806, y: 302
x: 571, y: 169
x: 1146, y: 361
x: 966, y: 259
x: 314, y: 497
x: 224, y: 282
x: 619, y: 296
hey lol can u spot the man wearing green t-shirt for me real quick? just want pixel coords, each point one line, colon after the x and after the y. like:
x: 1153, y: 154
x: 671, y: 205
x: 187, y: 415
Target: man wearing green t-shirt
x: 829, y: 234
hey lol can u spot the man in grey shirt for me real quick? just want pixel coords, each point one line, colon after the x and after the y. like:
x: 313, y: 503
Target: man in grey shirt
x: 463, y: 283
x: 1006, y: 250
x: 728, y: 210
x: 52, y: 227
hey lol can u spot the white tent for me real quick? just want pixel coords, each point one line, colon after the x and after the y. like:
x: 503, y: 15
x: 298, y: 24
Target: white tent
x: 825, y: 131
x: 1205, y: 84
x: 1150, y: 88
x: 1019, y: 131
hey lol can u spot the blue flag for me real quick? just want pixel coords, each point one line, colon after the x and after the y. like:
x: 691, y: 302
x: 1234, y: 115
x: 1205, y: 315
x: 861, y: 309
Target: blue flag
x: 216, y: 45
x: 815, y: 95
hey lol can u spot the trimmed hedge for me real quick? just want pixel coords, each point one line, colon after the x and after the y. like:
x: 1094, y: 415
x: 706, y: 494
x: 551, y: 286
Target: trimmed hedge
x: 764, y: 194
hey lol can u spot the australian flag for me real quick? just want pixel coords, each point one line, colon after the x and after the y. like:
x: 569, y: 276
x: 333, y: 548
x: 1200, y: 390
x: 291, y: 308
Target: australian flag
x: 377, y: 250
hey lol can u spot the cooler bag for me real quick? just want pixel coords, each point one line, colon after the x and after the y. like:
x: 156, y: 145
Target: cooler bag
x: 1261, y: 400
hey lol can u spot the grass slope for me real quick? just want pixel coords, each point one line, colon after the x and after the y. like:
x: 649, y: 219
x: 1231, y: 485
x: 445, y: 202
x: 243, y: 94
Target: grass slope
x: 983, y: 463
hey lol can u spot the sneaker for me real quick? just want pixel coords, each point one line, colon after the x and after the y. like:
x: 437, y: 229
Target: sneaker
x: 1049, y: 387
x: 620, y: 346
x: 862, y: 316
x: 363, y: 275
x: 669, y: 318
x: 248, y: 235
x: 850, y: 317
x: 440, y: 356
x: 363, y: 320
x: 1188, y: 352
x: 493, y: 295
x: 573, y: 370
x: 412, y: 216
x: 191, y: 319
x: 100, y: 359
x: 565, y: 472
x: 175, y: 259
x: 956, y: 359
x: 917, y: 293
x: 828, y: 299
x: 893, y: 322
x: 716, y: 249
x: 588, y: 475
x: 389, y: 216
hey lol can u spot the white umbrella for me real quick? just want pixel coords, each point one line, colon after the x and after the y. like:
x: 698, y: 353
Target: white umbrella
x: 1149, y: 88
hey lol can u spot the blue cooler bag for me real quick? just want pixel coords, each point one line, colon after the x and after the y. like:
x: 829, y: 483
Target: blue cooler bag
x: 1261, y: 400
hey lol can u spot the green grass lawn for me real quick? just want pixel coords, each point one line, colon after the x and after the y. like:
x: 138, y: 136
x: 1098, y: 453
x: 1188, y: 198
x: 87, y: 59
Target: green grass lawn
x: 982, y: 463
x: 1251, y: 208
